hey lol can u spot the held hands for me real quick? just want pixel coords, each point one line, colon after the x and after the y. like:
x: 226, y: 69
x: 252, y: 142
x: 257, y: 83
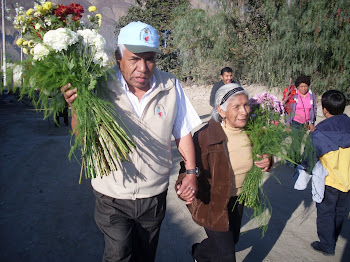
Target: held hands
x: 265, y: 163
x: 69, y: 94
x: 187, y: 189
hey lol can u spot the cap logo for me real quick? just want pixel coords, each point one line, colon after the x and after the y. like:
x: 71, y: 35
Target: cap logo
x: 146, y: 35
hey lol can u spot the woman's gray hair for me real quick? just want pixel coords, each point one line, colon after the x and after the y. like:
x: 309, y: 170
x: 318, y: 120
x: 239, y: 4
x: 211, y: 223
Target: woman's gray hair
x: 224, y: 96
x: 120, y: 49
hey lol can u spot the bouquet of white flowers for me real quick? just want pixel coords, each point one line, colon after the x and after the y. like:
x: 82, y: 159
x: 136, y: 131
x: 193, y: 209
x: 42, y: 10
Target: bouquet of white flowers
x: 62, y: 50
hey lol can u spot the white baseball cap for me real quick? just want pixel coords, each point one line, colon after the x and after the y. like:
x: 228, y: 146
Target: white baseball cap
x: 139, y: 37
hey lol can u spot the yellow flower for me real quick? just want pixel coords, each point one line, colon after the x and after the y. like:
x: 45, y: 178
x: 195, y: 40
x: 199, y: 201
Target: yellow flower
x: 31, y: 43
x: 47, y: 5
x: 25, y: 51
x: 29, y: 11
x: 39, y: 8
x: 20, y: 41
x: 92, y: 8
x: 36, y: 14
x: 25, y: 42
x: 32, y: 51
x: 20, y: 18
x: 99, y: 16
x: 37, y: 26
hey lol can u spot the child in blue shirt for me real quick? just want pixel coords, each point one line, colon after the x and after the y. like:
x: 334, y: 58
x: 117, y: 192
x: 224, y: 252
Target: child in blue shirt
x: 332, y: 141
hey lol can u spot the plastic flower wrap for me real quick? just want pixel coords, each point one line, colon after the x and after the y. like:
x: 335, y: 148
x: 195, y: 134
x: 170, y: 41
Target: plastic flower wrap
x: 269, y: 135
x: 62, y: 50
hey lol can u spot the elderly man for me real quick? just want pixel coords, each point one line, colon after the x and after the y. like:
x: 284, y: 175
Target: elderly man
x: 226, y: 78
x: 131, y: 202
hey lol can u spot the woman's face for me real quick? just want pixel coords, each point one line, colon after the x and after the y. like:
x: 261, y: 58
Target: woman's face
x: 237, y: 112
x: 303, y: 88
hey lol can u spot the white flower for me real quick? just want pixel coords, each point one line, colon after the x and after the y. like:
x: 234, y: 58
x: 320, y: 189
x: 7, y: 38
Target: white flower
x: 92, y: 38
x: 40, y: 51
x: 60, y: 39
x: 17, y: 75
x: 47, y: 22
x: 100, y: 58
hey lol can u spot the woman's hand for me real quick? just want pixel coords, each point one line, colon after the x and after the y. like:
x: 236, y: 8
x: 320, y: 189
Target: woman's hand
x: 69, y: 94
x: 187, y: 189
x: 265, y: 163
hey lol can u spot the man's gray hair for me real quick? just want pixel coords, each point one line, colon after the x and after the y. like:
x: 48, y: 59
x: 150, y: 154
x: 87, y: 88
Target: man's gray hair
x: 224, y: 96
x: 120, y: 49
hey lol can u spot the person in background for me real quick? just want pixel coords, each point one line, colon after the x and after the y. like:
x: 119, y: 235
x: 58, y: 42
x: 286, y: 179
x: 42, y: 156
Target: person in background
x: 332, y: 141
x: 226, y: 78
x: 303, y: 110
x: 131, y: 202
x: 288, y: 97
x: 223, y: 156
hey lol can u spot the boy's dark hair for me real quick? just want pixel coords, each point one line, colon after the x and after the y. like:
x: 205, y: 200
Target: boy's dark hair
x: 302, y: 79
x: 334, y: 101
x: 226, y: 69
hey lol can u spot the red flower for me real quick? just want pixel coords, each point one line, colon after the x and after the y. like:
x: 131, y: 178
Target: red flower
x: 63, y: 11
x: 77, y: 9
x: 76, y: 17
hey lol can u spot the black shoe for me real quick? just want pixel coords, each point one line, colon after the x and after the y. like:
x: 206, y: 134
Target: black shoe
x: 316, y: 245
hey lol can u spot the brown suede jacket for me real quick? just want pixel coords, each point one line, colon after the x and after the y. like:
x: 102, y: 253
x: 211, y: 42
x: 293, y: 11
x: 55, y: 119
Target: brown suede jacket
x: 209, y: 209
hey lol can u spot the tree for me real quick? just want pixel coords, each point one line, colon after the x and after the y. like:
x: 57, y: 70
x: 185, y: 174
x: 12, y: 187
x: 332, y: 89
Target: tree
x: 207, y: 42
x: 309, y: 37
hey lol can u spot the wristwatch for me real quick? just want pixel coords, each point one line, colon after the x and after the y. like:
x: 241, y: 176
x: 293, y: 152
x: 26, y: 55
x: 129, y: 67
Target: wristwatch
x: 193, y: 171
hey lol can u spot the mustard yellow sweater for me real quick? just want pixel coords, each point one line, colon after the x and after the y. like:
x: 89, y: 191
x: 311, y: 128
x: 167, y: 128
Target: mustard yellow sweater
x: 240, y: 154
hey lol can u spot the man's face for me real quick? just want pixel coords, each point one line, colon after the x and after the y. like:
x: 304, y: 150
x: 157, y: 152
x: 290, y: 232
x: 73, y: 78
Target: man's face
x: 227, y: 77
x: 137, y: 69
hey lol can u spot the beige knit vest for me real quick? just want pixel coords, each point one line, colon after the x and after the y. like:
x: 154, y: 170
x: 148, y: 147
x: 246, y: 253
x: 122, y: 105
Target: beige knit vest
x: 147, y: 174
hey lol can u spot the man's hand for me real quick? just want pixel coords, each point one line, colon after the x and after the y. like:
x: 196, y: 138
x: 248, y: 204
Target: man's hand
x: 69, y: 94
x: 188, y: 188
x: 265, y: 163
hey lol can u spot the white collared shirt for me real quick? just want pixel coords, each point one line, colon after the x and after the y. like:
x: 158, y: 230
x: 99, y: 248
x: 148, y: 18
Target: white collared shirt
x: 186, y: 117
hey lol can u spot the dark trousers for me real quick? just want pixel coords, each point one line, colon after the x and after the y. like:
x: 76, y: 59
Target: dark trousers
x: 64, y: 114
x: 130, y: 227
x: 331, y: 213
x: 220, y: 246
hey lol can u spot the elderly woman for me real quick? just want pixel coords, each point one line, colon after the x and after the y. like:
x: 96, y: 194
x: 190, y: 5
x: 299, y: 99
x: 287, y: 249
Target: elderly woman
x: 224, y: 156
x: 302, y: 104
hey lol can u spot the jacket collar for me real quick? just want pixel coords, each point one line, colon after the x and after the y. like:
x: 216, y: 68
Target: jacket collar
x: 216, y: 134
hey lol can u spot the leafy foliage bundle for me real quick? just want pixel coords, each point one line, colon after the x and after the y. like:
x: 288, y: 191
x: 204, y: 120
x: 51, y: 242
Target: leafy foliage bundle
x: 73, y: 54
x: 269, y: 135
